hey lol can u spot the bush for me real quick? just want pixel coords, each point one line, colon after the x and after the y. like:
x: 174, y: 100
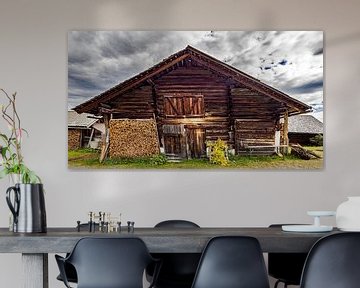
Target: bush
x: 158, y: 159
x: 317, y: 140
x: 218, y: 152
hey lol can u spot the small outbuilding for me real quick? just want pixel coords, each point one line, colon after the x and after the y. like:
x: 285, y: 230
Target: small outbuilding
x: 304, y: 127
x: 194, y: 98
x: 84, y: 130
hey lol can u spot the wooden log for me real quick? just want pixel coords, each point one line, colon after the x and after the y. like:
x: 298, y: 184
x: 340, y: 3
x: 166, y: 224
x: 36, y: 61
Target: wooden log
x: 300, y: 152
x: 312, y: 153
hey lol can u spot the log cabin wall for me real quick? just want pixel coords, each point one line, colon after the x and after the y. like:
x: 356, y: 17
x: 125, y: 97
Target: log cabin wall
x: 224, y: 104
x: 137, y: 103
x: 301, y: 138
x: 256, y: 119
x: 194, y: 81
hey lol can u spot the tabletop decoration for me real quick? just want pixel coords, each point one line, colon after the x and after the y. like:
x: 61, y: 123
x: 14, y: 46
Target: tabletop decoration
x: 25, y: 197
x: 315, y: 227
x: 348, y: 214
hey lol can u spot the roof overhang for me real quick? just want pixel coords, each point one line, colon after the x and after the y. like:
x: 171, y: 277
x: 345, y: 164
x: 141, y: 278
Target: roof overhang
x: 292, y: 106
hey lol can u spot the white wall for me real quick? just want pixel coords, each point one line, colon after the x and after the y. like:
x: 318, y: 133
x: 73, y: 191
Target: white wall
x: 33, y: 62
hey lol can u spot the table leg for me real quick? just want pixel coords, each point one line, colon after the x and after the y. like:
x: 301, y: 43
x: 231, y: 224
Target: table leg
x: 35, y: 270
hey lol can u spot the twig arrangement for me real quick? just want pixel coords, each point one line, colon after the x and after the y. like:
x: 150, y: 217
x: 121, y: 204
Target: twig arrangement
x: 12, y: 160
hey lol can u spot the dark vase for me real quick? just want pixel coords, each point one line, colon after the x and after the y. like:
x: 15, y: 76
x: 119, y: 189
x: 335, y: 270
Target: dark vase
x: 27, y: 204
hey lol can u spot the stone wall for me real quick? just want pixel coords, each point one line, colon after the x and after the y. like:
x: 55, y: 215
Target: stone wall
x: 74, y: 138
x: 133, y: 138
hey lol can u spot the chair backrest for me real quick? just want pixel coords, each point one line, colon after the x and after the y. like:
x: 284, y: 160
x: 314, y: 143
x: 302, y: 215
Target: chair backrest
x: 333, y: 262
x: 178, y: 269
x: 110, y: 262
x: 176, y: 224
x: 232, y: 262
x: 286, y: 266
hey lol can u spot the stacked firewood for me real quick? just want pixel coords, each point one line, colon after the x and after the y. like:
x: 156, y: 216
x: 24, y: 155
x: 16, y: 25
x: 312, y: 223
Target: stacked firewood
x: 133, y: 138
x: 74, y: 137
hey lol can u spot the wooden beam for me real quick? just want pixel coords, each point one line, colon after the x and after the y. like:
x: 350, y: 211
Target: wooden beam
x: 91, y: 136
x: 286, y: 130
x: 104, y: 105
x: 106, y: 138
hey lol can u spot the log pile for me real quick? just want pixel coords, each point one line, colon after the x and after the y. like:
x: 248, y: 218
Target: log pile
x: 133, y: 138
x: 303, y: 153
x: 74, y: 138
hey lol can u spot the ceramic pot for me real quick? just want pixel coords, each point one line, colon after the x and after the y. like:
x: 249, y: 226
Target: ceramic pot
x: 348, y: 214
x: 27, y: 207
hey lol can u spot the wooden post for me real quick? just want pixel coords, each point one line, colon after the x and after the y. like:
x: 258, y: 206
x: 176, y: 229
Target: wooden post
x: 286, y: 130
x: 157, y: 133
x: 106, y: 140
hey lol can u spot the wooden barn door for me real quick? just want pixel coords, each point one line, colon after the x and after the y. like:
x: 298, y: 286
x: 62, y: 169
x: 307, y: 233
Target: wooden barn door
x: 195, y: 142
x: 174, y: 142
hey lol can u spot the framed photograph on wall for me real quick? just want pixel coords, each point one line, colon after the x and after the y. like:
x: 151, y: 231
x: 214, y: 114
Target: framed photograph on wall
x: 195, y: 99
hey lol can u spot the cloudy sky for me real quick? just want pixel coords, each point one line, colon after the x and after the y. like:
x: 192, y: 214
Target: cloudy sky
x: 291, y: 61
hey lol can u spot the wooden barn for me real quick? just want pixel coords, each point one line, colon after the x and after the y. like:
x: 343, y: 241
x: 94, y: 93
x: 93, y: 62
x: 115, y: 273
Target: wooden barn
x: 195, y: 98
x: 304, y: 127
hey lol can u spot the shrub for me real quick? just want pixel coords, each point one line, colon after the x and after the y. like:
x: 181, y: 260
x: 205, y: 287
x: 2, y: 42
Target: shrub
x: 317, y: 140
x: 158, y: 159
x: 218, y: 152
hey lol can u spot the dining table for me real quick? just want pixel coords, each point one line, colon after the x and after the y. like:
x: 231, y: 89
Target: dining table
x: 35, y: 247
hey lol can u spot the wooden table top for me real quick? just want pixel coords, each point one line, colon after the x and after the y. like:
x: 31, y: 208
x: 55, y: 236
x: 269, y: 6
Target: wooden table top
x: 158, y: 240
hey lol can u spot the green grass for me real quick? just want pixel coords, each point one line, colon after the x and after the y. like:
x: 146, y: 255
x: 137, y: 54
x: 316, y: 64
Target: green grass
x: 89, y: 158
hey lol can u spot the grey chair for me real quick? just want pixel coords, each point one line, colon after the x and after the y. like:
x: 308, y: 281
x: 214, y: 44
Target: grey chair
x: 286, y: 267
x: 178, y: 269
x: 108, y: 263
x: 232, y: 262
x: 333, y: 262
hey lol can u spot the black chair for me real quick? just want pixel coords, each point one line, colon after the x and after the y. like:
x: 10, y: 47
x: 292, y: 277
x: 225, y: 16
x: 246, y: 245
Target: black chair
x: 69, y: 269
x: 232, y: 262
x: 108, y: 263
x: 178, y: 269
x: 333, y: 262
x: 286, y: 267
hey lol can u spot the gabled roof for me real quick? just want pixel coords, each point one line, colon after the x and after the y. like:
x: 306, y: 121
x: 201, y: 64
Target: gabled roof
x: 305, y: 124
x: 81, y: 121
x: 294, y: 106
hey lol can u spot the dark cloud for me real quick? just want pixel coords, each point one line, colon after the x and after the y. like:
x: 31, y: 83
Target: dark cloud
x: 318, y: 51
x: 98, y: 60
x: 86, y: 84
x: 307, y: 87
